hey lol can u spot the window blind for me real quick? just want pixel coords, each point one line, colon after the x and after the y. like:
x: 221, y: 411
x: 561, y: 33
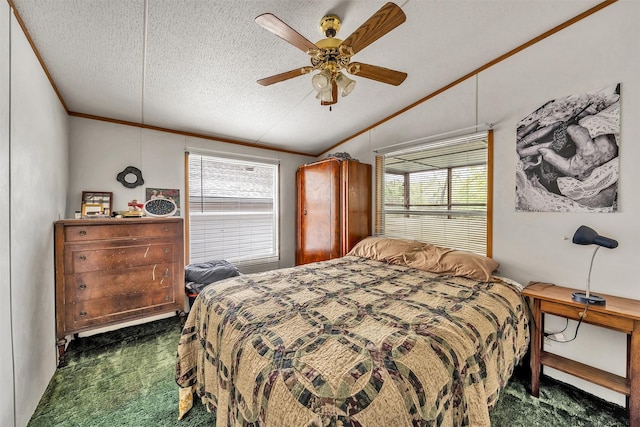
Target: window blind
x: 233, y: 210
x: 437, y: 192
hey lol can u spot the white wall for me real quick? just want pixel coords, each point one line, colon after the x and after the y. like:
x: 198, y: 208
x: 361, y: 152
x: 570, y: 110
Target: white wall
x: 598, y: 51
x: 6, y: 351
x: 100, y: 150
x: 33, y: 186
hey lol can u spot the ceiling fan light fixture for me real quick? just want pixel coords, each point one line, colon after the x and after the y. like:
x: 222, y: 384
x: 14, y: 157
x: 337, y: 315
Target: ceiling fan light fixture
x: 345, y: 84
x: 321, y: 82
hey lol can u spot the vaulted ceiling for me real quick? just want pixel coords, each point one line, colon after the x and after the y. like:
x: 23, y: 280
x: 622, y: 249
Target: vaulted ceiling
x: 192, y: 65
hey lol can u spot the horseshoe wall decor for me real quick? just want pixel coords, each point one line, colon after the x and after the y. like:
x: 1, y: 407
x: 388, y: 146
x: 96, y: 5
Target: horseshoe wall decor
x: 131, y: 170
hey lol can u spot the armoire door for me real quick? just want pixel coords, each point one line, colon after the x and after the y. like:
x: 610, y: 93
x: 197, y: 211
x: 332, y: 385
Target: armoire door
x: 356, y: 203
x: 318, y: 216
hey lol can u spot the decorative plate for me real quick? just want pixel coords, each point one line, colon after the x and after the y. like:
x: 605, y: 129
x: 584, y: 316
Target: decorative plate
x: 130, y: 170
x: 160, y: 207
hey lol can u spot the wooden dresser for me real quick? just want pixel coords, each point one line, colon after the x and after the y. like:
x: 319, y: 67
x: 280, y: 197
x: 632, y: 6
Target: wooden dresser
x: 333, y: 208
x: 114, y: 270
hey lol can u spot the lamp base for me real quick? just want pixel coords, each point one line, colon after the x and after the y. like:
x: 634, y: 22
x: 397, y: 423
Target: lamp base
x: 591, y: 299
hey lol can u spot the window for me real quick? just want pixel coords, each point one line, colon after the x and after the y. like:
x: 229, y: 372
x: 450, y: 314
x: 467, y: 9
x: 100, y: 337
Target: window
x: 437, y: 192
x: 233, y: 211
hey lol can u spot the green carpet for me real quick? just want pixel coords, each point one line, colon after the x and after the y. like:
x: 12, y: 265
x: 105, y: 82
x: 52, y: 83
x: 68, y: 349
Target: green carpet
x: 126, y: 378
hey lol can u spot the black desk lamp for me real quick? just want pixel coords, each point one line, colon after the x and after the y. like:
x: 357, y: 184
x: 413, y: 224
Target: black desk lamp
x: 587, y: 236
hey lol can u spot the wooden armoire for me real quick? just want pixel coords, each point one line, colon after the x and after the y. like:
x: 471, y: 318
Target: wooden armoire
x: 333, y: 208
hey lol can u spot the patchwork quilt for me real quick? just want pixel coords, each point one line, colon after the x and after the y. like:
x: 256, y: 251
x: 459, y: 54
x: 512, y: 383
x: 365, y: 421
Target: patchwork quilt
x: 351, y: 342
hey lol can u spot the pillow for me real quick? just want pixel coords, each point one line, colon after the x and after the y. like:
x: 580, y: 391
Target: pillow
x: 454, y: 262
x: 425, y: 256
x: 385, y: 249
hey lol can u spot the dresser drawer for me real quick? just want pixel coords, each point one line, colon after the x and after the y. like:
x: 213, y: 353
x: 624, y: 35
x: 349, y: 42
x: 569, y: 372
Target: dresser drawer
x: 81, y: 233
x: 593, y: 316
x: 80, y: 259
x: 119, y: 283
x: 108, y: 309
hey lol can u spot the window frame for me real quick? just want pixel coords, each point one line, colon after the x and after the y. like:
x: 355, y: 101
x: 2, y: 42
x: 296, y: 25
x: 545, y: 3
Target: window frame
x: 259, y: 263
x: 426, y: 144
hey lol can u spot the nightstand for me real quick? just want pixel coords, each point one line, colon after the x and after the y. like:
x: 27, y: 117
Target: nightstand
x: 619, y: 314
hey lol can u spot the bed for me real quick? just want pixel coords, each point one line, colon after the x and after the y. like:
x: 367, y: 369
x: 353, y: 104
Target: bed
x: 395, y: 333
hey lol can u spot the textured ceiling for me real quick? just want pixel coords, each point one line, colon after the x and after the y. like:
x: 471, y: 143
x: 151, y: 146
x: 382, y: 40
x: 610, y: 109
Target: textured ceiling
x: 192, y: 65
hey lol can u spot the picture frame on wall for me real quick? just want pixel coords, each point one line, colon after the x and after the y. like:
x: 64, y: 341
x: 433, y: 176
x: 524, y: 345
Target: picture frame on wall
x: 568, y: 154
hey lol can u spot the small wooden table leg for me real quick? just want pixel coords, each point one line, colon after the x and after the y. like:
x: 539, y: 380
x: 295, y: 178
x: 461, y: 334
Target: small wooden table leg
x: 537, y: 332
x: 633, y: 374
x: 61, y: 343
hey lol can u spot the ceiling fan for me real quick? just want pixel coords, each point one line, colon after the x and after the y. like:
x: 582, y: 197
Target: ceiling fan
x: 330, y: 56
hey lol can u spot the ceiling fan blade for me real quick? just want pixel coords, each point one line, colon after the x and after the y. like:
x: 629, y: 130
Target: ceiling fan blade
x: 373, y: 72
x: 384, y: 20
x: 284, y: 76
x: 285, y: 32
x: 334, y: 94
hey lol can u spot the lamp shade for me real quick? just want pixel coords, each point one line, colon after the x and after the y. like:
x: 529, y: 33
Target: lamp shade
x: 345, y: 84
x: 325, y: 96
x: 322, y: 81
x: 587, y: 236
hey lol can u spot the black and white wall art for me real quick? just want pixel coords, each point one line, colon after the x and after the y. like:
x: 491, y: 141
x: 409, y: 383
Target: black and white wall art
x: 567, y: 154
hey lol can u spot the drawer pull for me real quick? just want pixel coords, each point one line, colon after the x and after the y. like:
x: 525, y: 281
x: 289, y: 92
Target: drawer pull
x: 166, y: 250
x: 82, y: 286
x: 166, y: 230
x: 83, y: 313
x: 83, y: 258
x: 83, y: 233
x: 166, y: 273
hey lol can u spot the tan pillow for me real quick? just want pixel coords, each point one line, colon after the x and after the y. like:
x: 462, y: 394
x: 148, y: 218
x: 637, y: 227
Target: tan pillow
x: 385, y: 249
x: 454, y: 262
